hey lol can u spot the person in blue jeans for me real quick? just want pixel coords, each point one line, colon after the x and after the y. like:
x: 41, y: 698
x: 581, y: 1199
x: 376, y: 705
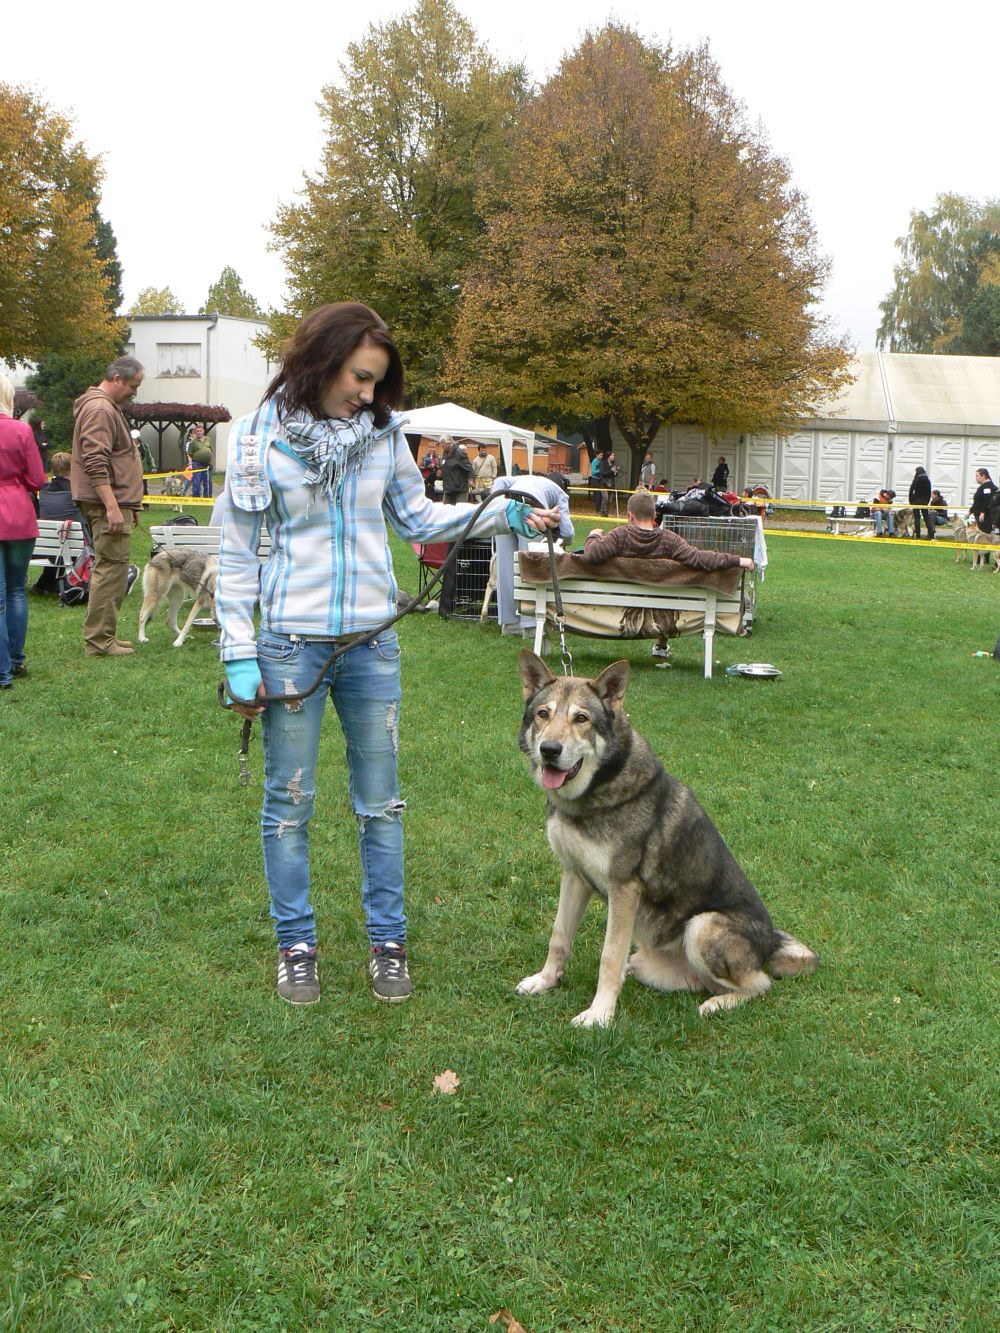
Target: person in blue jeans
x: 882, y: 514
x: 199, y: 452
x: 325, y: 463
x: 21, y: 477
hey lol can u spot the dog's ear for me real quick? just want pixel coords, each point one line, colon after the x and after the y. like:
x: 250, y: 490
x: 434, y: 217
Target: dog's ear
x: 534, y: 673
x: 610, y: 685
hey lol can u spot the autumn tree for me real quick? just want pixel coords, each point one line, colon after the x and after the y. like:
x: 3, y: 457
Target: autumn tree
x: 654, y: 264
x: 58, y: 378
x: 980, y: 335
x: 946, y: 256
x: 155, y: 301
x: 52, y: 275
x: 420, y: 113
x: 228, y: 296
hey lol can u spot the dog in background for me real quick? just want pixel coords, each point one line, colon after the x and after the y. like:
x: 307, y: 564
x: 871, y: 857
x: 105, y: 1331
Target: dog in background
x: 903, y: 523
x: 491, y: 587
x: 626, y: 831
x: 967, y: 530
x: 169, y: 577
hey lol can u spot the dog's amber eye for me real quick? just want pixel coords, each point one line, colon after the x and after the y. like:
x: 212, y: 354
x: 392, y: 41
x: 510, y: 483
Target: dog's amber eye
x: 542, y: 715
x: 582, y: 717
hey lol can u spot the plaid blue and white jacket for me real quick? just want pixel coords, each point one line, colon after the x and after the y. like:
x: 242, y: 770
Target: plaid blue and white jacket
x: 330, y: 569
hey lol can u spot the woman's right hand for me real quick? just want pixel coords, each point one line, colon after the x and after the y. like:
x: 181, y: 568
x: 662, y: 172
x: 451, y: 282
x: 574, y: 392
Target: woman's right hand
x: 248, y: 709
x: 244, y: 685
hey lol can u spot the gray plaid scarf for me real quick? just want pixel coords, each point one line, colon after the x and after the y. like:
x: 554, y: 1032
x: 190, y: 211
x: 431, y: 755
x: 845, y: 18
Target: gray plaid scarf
x: 330, y: 449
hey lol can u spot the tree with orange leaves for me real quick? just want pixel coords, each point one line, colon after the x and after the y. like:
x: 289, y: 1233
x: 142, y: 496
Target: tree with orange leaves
x: 650, y: 262
x: 53, y: 281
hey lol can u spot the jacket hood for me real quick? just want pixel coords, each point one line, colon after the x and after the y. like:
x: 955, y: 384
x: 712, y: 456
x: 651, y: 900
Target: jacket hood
x: 89, y: 394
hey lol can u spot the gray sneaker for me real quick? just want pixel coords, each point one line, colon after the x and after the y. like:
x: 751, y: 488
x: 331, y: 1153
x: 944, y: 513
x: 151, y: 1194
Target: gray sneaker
x: 298, y: 974
x: 389, y: 973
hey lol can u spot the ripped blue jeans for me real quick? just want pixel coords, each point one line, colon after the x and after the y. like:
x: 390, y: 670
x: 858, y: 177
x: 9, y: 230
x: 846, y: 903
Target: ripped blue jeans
x: 364, y: 687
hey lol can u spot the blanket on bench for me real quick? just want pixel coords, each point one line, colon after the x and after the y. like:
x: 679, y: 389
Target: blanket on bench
x: 636, y: 622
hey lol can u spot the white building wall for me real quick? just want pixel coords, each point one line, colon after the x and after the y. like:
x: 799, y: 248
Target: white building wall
x: 232, y: 372
x: 241, y: 373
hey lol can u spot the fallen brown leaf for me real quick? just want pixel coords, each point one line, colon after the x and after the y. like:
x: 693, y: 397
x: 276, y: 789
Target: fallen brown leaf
x: 511, y: 1324
x: 447, y: 1083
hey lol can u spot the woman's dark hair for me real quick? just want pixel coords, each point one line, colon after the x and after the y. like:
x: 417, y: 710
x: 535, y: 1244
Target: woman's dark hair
x: 320, y: 346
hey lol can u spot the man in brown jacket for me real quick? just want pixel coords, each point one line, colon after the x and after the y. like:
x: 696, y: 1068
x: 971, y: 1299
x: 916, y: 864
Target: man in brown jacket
x: 106, y: 476
x: 642, y: 537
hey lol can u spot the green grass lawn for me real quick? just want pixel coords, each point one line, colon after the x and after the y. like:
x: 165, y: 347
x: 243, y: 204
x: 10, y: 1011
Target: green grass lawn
x: 183, y: 1151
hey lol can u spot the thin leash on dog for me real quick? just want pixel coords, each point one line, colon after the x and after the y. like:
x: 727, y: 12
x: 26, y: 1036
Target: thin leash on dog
x: 226, y: 699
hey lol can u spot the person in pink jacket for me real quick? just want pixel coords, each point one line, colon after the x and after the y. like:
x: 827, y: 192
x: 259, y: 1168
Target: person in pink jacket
x: 21, y: 473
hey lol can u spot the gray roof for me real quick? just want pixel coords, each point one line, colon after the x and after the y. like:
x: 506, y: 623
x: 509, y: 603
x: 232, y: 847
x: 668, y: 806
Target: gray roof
x: 912, y: 389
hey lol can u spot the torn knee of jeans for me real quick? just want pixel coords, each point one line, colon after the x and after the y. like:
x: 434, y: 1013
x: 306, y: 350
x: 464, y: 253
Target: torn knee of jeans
x: 392, y: 725
x: 391, y: 810
x: 284, y: 826
x: 290, y: 687
x: 294, y: 787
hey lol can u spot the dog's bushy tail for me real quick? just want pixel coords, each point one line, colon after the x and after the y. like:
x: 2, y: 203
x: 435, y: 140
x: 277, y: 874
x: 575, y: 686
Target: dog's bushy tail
x: 792, y: 958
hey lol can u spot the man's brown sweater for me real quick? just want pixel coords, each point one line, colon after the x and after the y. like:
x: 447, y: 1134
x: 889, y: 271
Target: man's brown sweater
x: 656, y: 543
x: 104, y: 453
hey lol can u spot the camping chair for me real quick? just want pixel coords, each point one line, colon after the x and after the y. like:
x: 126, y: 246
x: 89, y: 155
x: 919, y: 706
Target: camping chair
x: 430, y: 557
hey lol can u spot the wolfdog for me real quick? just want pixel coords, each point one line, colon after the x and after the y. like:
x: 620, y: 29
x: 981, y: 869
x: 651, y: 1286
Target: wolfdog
x: 167, y: 577
x: 627, y: 831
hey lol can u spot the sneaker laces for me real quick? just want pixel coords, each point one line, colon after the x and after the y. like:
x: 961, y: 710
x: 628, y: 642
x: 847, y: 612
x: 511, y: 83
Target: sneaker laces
x: 300, y: 959
x: 390, y: 958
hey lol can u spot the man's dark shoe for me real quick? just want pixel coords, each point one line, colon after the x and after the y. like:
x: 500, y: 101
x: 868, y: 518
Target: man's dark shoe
x: 389, y: 973
x: 298, y: 974
x: 20, y: 671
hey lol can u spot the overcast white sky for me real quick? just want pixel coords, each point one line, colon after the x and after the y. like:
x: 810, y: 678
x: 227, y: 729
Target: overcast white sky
x: 206, y: 118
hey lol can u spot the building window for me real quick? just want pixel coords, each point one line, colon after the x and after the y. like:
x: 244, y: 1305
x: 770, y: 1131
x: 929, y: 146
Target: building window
x: 178, y: 360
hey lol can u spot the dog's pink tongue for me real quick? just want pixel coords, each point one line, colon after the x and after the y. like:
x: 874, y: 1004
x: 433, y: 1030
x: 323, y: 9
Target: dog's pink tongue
x: 552, y: 777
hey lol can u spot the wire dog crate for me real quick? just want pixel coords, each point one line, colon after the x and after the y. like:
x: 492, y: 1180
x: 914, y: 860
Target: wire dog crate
x: 469, y: 580
x: 736, y: 536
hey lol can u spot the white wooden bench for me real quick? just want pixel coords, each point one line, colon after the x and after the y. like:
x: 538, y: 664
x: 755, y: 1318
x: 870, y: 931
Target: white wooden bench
x: 191, y: 537
x: 615, y: 595
x: 847, y: 523
x: 48, y: 546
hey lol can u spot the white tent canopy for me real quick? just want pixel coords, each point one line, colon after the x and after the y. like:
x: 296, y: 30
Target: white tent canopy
x: 461, y: 424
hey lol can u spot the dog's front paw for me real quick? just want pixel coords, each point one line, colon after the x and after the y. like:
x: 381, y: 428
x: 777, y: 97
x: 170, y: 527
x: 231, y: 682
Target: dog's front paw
x: 595, y: 1017
x: 537, y: 984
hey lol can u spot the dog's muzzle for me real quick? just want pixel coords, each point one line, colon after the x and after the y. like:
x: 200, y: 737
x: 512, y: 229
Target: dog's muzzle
x: 554, y: 777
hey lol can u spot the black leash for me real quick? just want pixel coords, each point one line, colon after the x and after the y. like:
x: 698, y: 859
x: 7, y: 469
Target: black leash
x: 226, y: 699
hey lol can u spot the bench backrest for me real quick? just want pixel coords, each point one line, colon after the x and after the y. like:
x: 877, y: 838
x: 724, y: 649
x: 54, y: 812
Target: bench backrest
x: 615, y: 593
x: 191, y: 537
x: 48, y: 545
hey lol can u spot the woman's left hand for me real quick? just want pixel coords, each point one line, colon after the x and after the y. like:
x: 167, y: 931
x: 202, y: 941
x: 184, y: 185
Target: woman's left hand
x: 543, y: 518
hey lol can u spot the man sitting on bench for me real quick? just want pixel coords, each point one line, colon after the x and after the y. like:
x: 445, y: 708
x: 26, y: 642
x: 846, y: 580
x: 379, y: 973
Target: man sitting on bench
x: 641, y: 537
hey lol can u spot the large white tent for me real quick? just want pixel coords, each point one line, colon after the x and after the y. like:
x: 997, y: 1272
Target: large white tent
x: 902, y: 410
x: 461, y: 424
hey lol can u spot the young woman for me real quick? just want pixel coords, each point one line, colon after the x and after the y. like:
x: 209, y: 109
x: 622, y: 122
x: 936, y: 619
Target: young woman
x: 21, y: 473
x: 324, y: 462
